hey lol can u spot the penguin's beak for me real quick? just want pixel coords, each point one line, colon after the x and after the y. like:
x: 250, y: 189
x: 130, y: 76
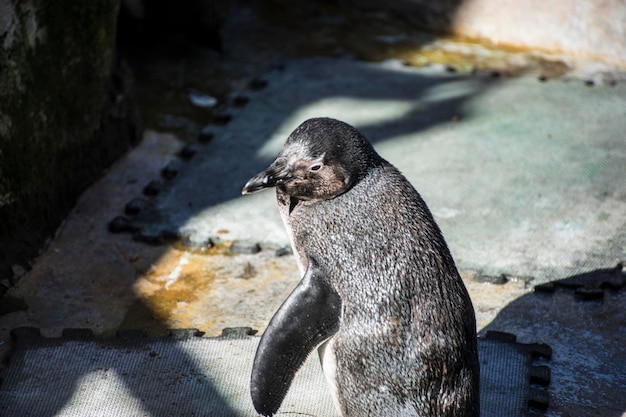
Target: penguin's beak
x: 276, y: 174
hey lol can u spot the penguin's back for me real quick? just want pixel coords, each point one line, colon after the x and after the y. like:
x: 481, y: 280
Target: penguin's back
x: 407, y: 321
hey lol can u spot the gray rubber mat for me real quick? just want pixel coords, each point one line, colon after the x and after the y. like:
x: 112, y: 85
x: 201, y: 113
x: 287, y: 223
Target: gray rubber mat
x: 187, y: 375
x: 523, y: 177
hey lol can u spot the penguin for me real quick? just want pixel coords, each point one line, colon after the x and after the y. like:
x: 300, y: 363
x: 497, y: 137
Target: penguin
x: 380, y: 297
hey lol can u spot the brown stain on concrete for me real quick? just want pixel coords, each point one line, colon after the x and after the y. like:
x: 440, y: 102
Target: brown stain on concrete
x: 177, y: 279
x: 210, y: 290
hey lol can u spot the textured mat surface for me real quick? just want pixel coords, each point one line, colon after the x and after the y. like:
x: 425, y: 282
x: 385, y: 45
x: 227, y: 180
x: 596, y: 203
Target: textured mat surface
x: 523, y: 177
x: 186, y: 375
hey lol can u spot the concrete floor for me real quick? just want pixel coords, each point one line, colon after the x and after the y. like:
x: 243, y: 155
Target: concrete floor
x: 526, y: 179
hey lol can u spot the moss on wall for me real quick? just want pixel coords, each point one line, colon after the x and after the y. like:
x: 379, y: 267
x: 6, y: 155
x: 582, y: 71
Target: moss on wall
x: 58, y: 127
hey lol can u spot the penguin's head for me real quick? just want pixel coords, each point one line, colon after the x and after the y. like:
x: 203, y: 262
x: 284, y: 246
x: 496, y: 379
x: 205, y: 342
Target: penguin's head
x: 321, y: 159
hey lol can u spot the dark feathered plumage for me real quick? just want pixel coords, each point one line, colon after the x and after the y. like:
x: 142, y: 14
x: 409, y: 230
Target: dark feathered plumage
x: 379, y: 285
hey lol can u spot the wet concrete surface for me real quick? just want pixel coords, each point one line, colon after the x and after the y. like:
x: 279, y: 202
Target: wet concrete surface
x: 548, y: 204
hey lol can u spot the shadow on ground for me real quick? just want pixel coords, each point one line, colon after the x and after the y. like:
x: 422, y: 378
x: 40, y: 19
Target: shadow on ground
x: 582, y: 318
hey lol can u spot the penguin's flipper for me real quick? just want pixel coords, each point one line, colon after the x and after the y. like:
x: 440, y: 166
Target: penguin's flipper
x: 308, y: 317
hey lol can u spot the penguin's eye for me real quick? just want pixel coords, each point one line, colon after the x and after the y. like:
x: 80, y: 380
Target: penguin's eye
x: 316, y: 167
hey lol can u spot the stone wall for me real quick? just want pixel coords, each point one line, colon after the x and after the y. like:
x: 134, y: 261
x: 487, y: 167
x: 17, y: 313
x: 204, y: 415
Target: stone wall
x: 65, y: 114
